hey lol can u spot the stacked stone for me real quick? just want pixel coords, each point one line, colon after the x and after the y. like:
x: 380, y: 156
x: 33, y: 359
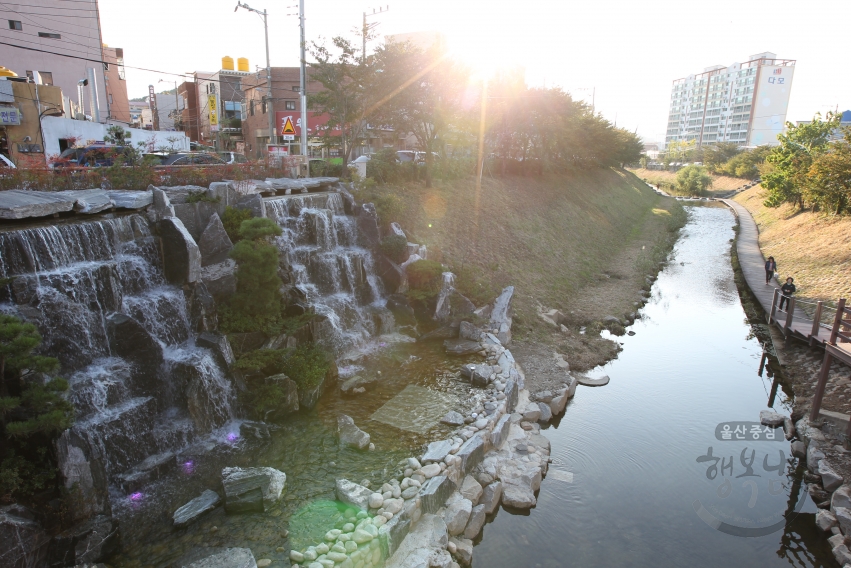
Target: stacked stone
x: 431, y: 514
x: 826, y: 487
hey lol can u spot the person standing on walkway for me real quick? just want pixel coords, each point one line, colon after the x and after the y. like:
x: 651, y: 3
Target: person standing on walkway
x: 787, y: 290
x: 770, y: 269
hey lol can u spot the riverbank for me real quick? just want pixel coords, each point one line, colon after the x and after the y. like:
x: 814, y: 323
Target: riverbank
x: 583, y: 244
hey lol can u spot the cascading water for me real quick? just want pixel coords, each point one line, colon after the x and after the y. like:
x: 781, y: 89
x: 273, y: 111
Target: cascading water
x: 320, y: 248
x: 123, y: 336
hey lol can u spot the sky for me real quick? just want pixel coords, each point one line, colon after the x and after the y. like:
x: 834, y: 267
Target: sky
x: 626, y: 53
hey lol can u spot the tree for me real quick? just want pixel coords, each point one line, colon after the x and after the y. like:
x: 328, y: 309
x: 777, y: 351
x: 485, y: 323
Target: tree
x: 421, y: 92
x: 746, y: 163
x: 787, y: 166
x: 693, y: 180
x: 679, y: 151
x: 257, y: 283
x: 830, y: 177
x: 719, y: 154
x: 629, y: 149
x: 32, y: 409
x: 347, y: 90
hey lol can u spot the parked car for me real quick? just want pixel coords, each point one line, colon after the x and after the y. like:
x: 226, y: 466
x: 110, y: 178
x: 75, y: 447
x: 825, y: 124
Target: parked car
x: 403, y: 156
x: 187, y: 159
x: 233, y: 158
x: 91, y: 156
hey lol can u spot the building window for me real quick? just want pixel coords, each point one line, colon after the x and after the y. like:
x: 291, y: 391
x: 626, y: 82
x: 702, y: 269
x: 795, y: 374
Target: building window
x: 110, y: 98
x: 46, y: 77
x: 296, y: 88
x: 290, y: 105
x: 263, y: 109
x: 233, y: 109
x: 15, y: 25
x: 48, y: 35
x: 251, y: 108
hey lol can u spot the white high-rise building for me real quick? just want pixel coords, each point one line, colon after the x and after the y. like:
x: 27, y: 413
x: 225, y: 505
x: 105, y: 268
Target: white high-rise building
x: 744, y: 103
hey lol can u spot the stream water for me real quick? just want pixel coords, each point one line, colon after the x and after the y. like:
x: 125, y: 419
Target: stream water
x: 625, y: 487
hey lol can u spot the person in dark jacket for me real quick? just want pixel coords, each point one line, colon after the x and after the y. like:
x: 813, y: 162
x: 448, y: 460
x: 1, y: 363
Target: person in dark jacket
x: 770, y: 269
x: 788, y: 289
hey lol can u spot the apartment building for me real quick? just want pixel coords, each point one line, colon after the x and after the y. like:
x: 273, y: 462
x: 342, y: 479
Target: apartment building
x: 744, y: 103
x: 55, y: 42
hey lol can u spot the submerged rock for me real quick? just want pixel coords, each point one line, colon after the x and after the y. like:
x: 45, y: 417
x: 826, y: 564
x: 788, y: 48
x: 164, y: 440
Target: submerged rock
x: 461, y: 346
x: 230, y: 558
x: 350, y: 434
x: 453, y: 418
x: 196, y: 508
x: 253, y: 489
x: 354, y: 494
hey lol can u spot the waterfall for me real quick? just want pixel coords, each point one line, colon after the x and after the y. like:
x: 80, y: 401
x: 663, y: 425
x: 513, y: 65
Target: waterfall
x: 320, y: 245
x: 97, y: 293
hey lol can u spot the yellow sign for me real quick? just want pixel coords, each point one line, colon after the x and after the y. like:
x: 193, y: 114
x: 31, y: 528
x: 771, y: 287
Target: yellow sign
x: 214, y: 110
x: 288, y: 127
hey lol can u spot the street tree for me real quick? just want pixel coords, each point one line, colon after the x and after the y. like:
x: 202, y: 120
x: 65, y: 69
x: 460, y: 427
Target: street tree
x: 347, y: 81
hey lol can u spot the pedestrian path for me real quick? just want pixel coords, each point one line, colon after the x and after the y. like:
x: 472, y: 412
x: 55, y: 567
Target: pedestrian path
x: 752, y: 263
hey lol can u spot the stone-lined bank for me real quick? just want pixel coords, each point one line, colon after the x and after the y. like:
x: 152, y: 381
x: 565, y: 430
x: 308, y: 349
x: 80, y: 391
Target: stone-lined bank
x: 430, y: 516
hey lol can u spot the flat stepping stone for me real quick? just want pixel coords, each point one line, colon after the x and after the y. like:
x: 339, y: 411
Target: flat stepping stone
x: 589, y: 382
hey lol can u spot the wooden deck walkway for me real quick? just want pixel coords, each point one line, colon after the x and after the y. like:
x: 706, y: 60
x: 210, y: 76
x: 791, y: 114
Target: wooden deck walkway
x: 835, y: 340
x: 799, y: 325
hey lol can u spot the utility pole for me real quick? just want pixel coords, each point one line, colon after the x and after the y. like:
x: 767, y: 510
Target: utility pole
x: 270, y: 108
x: 303, y: 80
x: 367, y: 27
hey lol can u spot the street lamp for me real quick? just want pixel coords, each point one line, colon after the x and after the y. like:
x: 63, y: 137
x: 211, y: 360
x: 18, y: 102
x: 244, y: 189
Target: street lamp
x: 176, y: 103
x: 269, y: 106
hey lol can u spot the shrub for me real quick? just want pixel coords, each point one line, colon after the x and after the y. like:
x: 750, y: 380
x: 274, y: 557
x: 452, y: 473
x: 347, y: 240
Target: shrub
x: 693, y: 180
x: 232, y: 219
x: 307, y: 365
x: 424, y: 278
x: 394, y: 247
x: 257, y: 302
x: 32, y: 410
x: 201, y: 196
x: 383, y: 167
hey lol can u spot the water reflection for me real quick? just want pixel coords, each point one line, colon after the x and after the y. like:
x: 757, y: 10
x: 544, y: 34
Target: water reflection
x: 632, y: 447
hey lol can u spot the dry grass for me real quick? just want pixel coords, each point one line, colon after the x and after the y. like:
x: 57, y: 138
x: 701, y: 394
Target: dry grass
x: 813, y: 248
x: 720, y: 184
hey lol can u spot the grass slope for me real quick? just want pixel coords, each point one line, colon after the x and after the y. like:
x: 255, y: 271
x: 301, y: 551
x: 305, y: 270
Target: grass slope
x: 550, y: 238
x: 813, y: 248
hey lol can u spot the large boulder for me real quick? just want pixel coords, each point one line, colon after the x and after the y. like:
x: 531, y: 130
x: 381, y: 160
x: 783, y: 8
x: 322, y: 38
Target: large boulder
x: 84, y: 476
x: 129, y: 340
x: 218, y: 344
x: 289, y: 403
x: 88, y: 201
x: 86, y: 543
x: 214, y: 245
x: 435, y: 492
x: 21, y: 204
x: 161, y: 207
x: 195, y: 509
x: 253, y: 203
x: 150, y: 469
x: 203, y: 312
x: 23, y: 542
x: 220, y: 279
x: 196, y: 216
x: 353, y: 494
x: 391, y: 274
x: 351, y: 435
x: 253, y: 489
x: 500, y: 319
x: 308, y: 396
x: 457, y: 514
x: 125, y: 199
x: 181, y: 257
x: 368, y: 232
